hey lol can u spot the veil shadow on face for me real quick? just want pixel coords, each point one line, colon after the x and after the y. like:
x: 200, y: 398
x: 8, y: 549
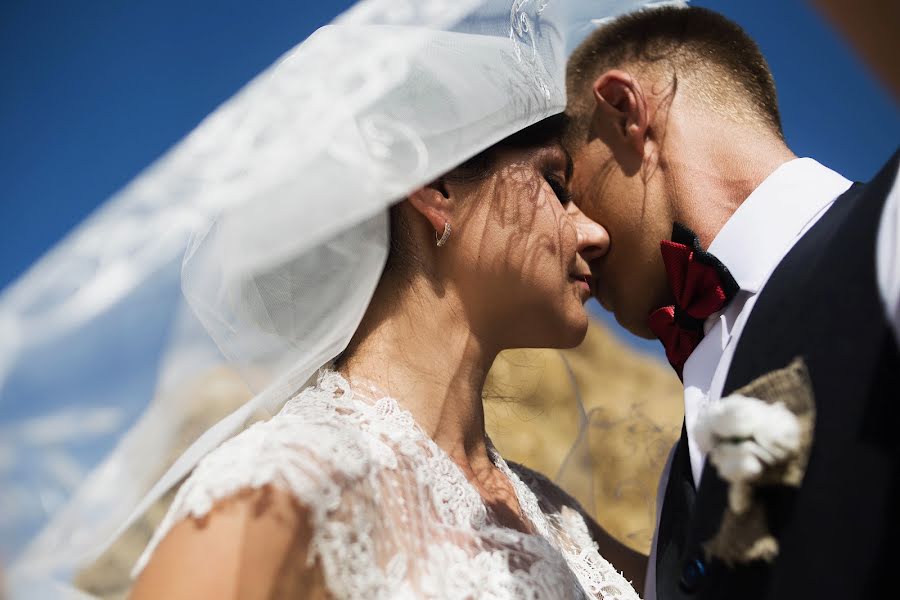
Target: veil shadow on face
x: 517, y: 205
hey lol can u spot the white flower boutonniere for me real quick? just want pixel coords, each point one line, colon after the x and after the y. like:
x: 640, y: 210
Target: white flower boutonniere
x: 757, y: 437
x: 743, y: 437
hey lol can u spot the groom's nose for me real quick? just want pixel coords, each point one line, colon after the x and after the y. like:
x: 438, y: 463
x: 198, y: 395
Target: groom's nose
x: 593, y: 239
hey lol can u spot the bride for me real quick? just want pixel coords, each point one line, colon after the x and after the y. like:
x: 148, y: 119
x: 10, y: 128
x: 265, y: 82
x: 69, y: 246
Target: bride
x: 379, y: 481
x: 389, y: 201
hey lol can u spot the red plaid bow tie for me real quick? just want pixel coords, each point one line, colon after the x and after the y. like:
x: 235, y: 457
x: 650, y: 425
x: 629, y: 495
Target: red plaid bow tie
x: 701, y: 285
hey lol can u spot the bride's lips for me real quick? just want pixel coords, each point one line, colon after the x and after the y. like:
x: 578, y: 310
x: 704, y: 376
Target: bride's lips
x: 583, y: 282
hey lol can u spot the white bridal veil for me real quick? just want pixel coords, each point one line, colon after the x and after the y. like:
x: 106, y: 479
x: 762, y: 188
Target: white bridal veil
x: 252, y: 247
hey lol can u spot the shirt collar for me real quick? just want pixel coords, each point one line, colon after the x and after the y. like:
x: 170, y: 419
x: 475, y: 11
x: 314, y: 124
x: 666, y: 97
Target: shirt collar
x: 764, y: 227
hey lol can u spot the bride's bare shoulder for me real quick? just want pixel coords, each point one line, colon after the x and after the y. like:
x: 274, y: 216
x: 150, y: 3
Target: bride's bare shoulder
x: 251, y: 545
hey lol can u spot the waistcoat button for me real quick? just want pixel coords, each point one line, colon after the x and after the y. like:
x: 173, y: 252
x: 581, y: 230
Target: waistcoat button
x: 691, y: 575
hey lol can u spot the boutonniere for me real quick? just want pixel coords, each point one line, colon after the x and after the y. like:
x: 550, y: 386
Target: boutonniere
x: 757, y: 437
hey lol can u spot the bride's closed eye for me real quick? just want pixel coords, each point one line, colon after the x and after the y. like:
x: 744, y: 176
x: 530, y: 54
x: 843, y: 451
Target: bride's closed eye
x: 557, y: 169
x: 559, y: 188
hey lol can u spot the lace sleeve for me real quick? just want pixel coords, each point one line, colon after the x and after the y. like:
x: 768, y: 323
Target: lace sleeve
x: 293, y: 454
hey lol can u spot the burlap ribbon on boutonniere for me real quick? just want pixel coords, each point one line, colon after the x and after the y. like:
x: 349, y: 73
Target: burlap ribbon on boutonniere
x: 759, y: 436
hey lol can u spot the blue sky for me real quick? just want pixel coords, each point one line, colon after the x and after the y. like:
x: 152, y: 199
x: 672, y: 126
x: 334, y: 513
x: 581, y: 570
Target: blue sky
x: 94, y: 91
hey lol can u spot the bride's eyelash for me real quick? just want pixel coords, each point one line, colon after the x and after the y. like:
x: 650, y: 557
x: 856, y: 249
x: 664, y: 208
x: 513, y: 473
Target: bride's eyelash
x: 559, y: 188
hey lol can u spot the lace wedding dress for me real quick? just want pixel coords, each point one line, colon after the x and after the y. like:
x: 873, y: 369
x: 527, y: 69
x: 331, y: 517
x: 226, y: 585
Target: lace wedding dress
x: 392, y: 515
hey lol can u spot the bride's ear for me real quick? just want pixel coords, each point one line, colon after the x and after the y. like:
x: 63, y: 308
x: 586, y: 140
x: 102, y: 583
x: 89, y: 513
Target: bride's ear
x: 432, y: 202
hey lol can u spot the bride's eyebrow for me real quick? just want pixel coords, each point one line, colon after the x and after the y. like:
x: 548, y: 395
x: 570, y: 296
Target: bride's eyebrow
x: 558, y: 157
x: 560, y: 154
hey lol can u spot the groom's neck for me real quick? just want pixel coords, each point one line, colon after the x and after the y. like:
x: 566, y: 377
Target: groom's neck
x: 714, y: 167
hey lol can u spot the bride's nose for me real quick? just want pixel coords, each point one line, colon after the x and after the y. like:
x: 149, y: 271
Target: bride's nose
x: 592, y: 238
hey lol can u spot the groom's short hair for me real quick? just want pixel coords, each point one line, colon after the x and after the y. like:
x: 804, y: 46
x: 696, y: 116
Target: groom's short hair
x: 721, y: 65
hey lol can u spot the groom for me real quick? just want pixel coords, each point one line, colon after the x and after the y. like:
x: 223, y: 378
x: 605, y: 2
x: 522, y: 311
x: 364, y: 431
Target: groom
x: 749, y: 263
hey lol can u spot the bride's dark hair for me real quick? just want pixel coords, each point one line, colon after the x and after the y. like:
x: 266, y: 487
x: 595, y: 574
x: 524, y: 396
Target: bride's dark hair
x: 543, y: 133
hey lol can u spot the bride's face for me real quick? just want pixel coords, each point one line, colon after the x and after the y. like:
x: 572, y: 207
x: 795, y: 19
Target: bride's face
x: 517, y: 262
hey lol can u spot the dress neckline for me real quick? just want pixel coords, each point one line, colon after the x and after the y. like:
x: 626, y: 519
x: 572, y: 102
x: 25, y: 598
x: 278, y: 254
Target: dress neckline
x: 386, y: 406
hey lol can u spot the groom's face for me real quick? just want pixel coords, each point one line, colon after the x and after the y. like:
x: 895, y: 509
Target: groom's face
x: 611, y: 186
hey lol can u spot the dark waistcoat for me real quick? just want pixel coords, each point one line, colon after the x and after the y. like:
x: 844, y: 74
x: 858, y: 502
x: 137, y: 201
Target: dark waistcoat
x: 837, y: 532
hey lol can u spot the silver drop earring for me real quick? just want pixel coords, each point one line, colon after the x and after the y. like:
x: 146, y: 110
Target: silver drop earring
x: 443, y: 239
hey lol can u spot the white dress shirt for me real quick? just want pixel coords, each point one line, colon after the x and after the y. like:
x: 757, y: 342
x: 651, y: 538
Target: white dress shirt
x: 769, y: 221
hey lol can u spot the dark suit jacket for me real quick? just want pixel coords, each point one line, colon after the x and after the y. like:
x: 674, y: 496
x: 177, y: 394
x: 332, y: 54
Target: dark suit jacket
x: 838, y: 530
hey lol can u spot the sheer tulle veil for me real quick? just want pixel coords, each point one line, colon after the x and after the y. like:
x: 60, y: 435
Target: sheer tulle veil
x: 252, y: 247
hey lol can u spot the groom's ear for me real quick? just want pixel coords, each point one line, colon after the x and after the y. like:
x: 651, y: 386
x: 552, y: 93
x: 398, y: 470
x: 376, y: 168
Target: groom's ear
x: 620, y: 98
x: 433, y: 202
